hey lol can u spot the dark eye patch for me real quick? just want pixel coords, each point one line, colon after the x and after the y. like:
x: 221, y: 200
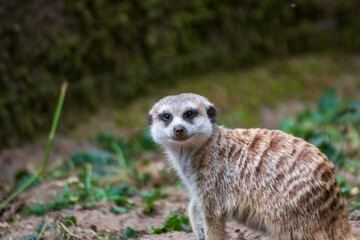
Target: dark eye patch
x: 190, y: 114
x: 166, y: 117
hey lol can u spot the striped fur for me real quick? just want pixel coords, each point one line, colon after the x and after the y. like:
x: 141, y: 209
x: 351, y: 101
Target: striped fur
x: 266, y: 179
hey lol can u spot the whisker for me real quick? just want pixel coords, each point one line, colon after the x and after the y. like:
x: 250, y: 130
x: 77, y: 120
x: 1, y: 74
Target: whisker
x: 128, y: 131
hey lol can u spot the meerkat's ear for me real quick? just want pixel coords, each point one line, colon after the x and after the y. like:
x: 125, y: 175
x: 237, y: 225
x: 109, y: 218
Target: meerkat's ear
x: 211, y: 112
x: 150, y: 119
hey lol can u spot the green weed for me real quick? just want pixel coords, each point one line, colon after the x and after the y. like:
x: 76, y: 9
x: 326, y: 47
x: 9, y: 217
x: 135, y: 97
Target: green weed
x: 150, y: 197
x: 137, y: 144
x: 344, y: 187
x: 173, y: 223
x: 127, y: 233
x: 130, y: 233
x: 22, y: 177
x: 349, y: 191
x: 70, y: 221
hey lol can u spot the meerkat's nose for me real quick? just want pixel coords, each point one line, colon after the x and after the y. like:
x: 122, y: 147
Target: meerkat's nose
x: 179, y: 131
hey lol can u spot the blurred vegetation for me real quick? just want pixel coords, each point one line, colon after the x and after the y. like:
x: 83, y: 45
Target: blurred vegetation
x: 114, y: 51
x: 241, y: 95
x: 96, y: 171
x: 334, y: 127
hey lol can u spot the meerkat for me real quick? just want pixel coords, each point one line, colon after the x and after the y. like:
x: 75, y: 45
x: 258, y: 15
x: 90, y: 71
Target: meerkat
x: 266, y: 179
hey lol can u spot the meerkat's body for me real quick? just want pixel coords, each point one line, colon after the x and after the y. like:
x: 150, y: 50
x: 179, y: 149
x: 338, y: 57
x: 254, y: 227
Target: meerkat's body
x: 264, y: 178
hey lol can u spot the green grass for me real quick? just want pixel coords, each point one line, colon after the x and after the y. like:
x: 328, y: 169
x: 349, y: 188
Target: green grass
x: 33, y: 178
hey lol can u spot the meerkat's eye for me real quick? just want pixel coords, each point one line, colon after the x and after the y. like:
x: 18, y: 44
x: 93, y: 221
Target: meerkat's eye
x: 165, y: 116
x: 190, y: 114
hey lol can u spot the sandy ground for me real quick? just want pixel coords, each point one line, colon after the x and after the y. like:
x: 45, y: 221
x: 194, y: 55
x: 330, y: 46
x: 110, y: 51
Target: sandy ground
x: 101, y: 220
x: 31, y: 155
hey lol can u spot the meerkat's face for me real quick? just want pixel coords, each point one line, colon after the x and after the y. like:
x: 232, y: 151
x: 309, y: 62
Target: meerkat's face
x: 182, y: 119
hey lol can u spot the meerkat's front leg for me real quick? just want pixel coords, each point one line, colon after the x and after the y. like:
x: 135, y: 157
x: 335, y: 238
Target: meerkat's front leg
x: 196, y: 219
x: 214, y: 227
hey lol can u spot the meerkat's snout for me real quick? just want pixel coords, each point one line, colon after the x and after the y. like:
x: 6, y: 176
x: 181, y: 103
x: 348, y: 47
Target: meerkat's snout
x: 180, y: 132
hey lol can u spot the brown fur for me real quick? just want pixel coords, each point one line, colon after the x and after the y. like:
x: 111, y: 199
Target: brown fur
x: 304, y: 203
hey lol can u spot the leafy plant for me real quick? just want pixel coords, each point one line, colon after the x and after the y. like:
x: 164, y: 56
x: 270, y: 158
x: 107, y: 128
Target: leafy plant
x: 122, y: 190
x: 349, y: 191
x: 334, y: 127
x: 32, y: 237
x: 173, y: 223
x: 139, y: 143
x: 357, y: 202
x: 344, y: 187
x: 130, y: 233
x: 127, y: 233
x: 150, y: 197
x: 94, y: 157
x: 123, y: 205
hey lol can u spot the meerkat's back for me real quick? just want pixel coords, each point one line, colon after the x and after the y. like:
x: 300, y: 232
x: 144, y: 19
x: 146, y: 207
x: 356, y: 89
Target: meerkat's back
x: 283, y: 183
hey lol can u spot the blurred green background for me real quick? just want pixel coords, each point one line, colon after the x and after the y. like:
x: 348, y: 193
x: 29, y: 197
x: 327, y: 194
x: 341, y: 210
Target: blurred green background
x: 243, y: 55
x: 290, y: 65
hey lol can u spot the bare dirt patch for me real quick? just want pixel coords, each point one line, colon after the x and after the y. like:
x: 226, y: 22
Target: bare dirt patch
x: 31, y: 155
x: 272, y: 117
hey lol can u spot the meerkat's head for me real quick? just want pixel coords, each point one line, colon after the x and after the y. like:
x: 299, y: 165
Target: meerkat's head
x: 184, y: 119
